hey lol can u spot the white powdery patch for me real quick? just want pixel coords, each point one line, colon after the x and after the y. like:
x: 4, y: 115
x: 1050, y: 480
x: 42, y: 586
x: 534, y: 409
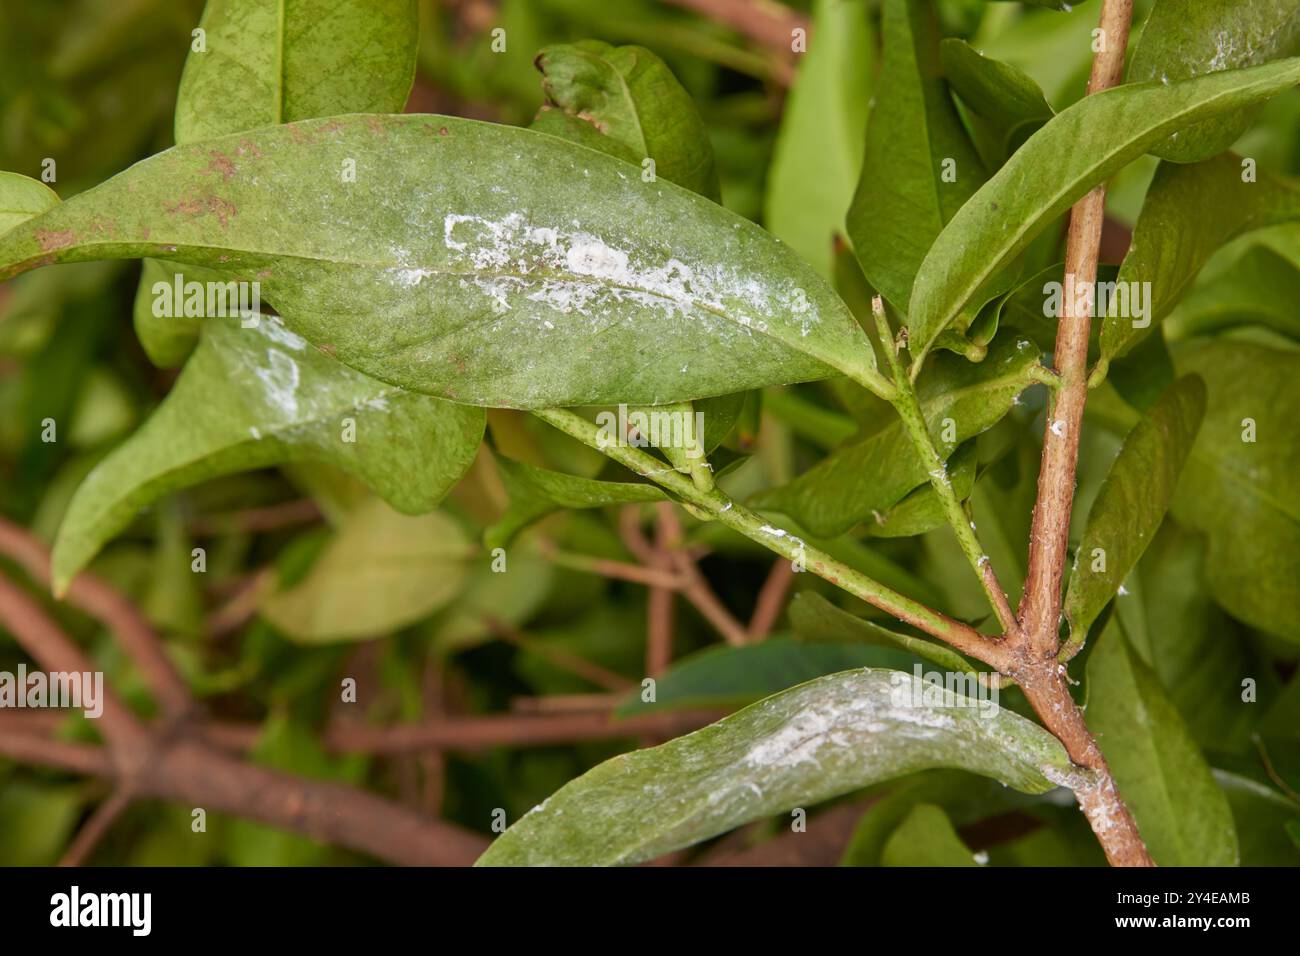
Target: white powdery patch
x: 275, y: 330
x: 836, y: 723
x: 572, y: 271
x: 280, y: 378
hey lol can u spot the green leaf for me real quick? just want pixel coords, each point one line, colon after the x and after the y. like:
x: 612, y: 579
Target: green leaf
x: 536, y: 273
x: 807, y: 744
x: 903, y: 201
x: 1264, y: 819
x: 1190, y: 211
x: 964, y: 799
x: 381, y: 572
x: 818, y: 152
x: 735, y: 676
x: 921, y: 510
x: 629, y: 95
x: 537, y: 492
x: 269, y: 63
x: 1197, y: 651
x: 926, y: 838
x: 167, y: 339
x: 1259, y: 289
x: 1133, y: 500
x: 22, y: 198
x: 249, y: 398
x: 1180, y: 811
x: 816, y: 619
x: 1003, y: 96
x: 1186, y: 38
x: 874, y: 473
x: 1242, y: 493
x: 37, y: 820
x: 1077, y: 149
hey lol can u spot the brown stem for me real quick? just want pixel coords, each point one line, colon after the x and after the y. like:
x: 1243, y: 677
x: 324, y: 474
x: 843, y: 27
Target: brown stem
x: 771, y: 598
x: 195, y: 775
x: 269, y: 518
x: 102, y: 602
x: 696, y: 589
x: 1040, y: 609
x: 1043, y: 680
x: 660, y: 608
x: 97, y: 827
x: 168, y: 763
x: 1101, y: 802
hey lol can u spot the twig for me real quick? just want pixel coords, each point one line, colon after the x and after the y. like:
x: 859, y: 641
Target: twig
x: 102, y: 602
x: 609, y: 568
x: 1041, y: 677
x: 909, y: 410
x: 97, y: 827
x: 269, y: 518
x: 660, y: 607
x: 1040, y: 609
x: 172, y: 765
x: 771, y: 599
x: 735, y: 516
x: 240, y: 607
x: 697, y: 589
x: 52, y: 649
x: 195, y: 775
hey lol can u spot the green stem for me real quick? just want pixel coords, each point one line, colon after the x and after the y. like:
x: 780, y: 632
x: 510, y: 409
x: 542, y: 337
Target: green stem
x: 909, y: 410
x: 740, y: 519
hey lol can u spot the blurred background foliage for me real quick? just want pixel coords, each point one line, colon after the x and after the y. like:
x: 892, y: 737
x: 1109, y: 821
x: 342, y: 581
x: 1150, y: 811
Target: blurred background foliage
x: 92, y: 84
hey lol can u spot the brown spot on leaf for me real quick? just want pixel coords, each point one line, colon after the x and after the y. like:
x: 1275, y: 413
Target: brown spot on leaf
x: 589, y: 118
x: 223, y: 209
x: 221, y: 163
x: 52, y: 239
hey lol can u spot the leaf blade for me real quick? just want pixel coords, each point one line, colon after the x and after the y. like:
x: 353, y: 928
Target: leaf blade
x: 726, y: 306
x: 1078, y: 148
x: 817, y: 740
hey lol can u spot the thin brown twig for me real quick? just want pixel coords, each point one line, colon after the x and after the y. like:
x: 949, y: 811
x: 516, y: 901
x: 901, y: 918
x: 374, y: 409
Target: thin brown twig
x: 771, y: 599
x: 101, y: 601
x: 661, y: 607
x: 175, y: 764
x: 697, y: 589
x: 655, y: 577
x: 287, y: 514
x: 96, y: 828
